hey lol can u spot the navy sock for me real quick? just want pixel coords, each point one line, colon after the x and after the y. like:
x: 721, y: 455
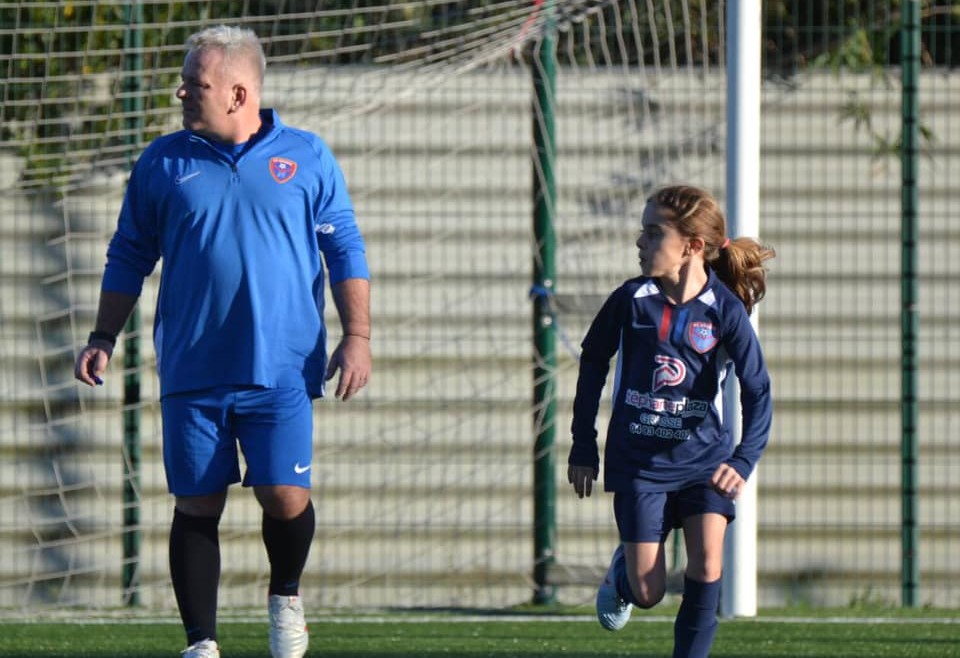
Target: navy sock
x: 622, y: 582
x: 195, y: 573
x: 288, y: 544
x: 696, y: 622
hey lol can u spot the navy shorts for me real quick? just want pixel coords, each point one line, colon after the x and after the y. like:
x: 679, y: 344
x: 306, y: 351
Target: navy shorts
x: 203, y: 430
x: 649, y: 516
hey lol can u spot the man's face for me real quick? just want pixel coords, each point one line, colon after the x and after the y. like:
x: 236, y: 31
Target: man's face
x: 206, y: 94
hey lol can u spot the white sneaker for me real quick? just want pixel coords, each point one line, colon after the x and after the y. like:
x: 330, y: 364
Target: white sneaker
x: 288, y: 628
x: 202, y: 649
x: 612, y: 611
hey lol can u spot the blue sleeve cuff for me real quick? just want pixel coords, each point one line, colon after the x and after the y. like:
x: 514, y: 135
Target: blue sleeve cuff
x: 349, y: 265
x: 117, y: 278
x: 741, y: 466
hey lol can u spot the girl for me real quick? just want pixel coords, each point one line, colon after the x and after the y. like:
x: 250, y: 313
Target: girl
x: 670, y: 460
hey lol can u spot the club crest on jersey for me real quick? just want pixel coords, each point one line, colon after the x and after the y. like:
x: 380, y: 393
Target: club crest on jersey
x: 282, y: 170
x: 702, y: 336
x: 670, y: 372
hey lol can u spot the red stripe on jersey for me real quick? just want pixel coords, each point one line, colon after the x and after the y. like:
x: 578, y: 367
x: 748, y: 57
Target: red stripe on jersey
x: 664, y: 330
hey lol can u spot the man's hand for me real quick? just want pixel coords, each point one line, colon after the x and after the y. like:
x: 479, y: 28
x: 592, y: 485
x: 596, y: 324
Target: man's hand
x: 92, y: 362
x: 354, y: 361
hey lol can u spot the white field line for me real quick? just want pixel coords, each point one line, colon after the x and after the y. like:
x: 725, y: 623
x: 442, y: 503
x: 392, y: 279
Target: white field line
x: 407, y: 618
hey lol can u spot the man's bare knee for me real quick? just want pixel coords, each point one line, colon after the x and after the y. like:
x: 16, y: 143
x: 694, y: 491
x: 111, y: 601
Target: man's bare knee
x: 205, y: 506
x: 283, y: 502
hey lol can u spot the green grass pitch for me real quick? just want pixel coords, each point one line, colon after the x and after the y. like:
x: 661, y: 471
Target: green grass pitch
x: 809, y: 634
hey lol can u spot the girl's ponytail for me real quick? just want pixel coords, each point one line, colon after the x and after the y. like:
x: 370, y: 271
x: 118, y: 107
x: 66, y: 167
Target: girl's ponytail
x: 740, y: 266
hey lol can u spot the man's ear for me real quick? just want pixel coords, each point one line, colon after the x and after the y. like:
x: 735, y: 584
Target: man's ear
x: 239, y: 97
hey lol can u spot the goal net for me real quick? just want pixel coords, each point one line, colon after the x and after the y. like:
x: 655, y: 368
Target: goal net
x: 423, y: 484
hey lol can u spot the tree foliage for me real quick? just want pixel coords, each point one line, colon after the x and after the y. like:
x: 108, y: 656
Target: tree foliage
x: 79, y: 70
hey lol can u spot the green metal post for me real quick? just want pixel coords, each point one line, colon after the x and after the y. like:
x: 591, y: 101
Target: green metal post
x: 910, y: 45
x: 133, y: 113
x: 544, y: 329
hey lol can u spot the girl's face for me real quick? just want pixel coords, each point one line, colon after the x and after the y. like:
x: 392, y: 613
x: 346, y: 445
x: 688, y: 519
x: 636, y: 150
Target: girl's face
x: 663, y: 250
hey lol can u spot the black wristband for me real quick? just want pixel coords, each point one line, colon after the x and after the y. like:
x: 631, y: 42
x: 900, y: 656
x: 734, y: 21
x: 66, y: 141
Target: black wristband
x: 102, y: 335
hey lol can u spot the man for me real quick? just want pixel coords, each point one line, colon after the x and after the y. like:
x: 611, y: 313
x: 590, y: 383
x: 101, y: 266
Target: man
x: 240, y: 208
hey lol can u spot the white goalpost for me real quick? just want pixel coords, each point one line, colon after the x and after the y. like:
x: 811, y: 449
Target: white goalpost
x: 739, y: 591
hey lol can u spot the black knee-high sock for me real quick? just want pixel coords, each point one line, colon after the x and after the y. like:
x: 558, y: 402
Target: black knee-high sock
x: 195, y: 573
x: 696, y: 622
x: 288, y: 544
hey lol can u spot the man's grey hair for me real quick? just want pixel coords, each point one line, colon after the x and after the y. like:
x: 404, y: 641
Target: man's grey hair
x: 237, y: 43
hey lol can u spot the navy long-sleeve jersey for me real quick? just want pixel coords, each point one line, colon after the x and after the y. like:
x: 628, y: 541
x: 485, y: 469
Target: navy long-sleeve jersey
x: 666, y: 429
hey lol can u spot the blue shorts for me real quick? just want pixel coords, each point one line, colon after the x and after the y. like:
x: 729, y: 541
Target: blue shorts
x: 203, y: 429
x: 649, y: 516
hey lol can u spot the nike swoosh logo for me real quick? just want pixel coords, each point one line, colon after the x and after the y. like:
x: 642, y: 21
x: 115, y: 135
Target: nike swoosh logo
x: 299, y: 470
x: 179, y: 180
